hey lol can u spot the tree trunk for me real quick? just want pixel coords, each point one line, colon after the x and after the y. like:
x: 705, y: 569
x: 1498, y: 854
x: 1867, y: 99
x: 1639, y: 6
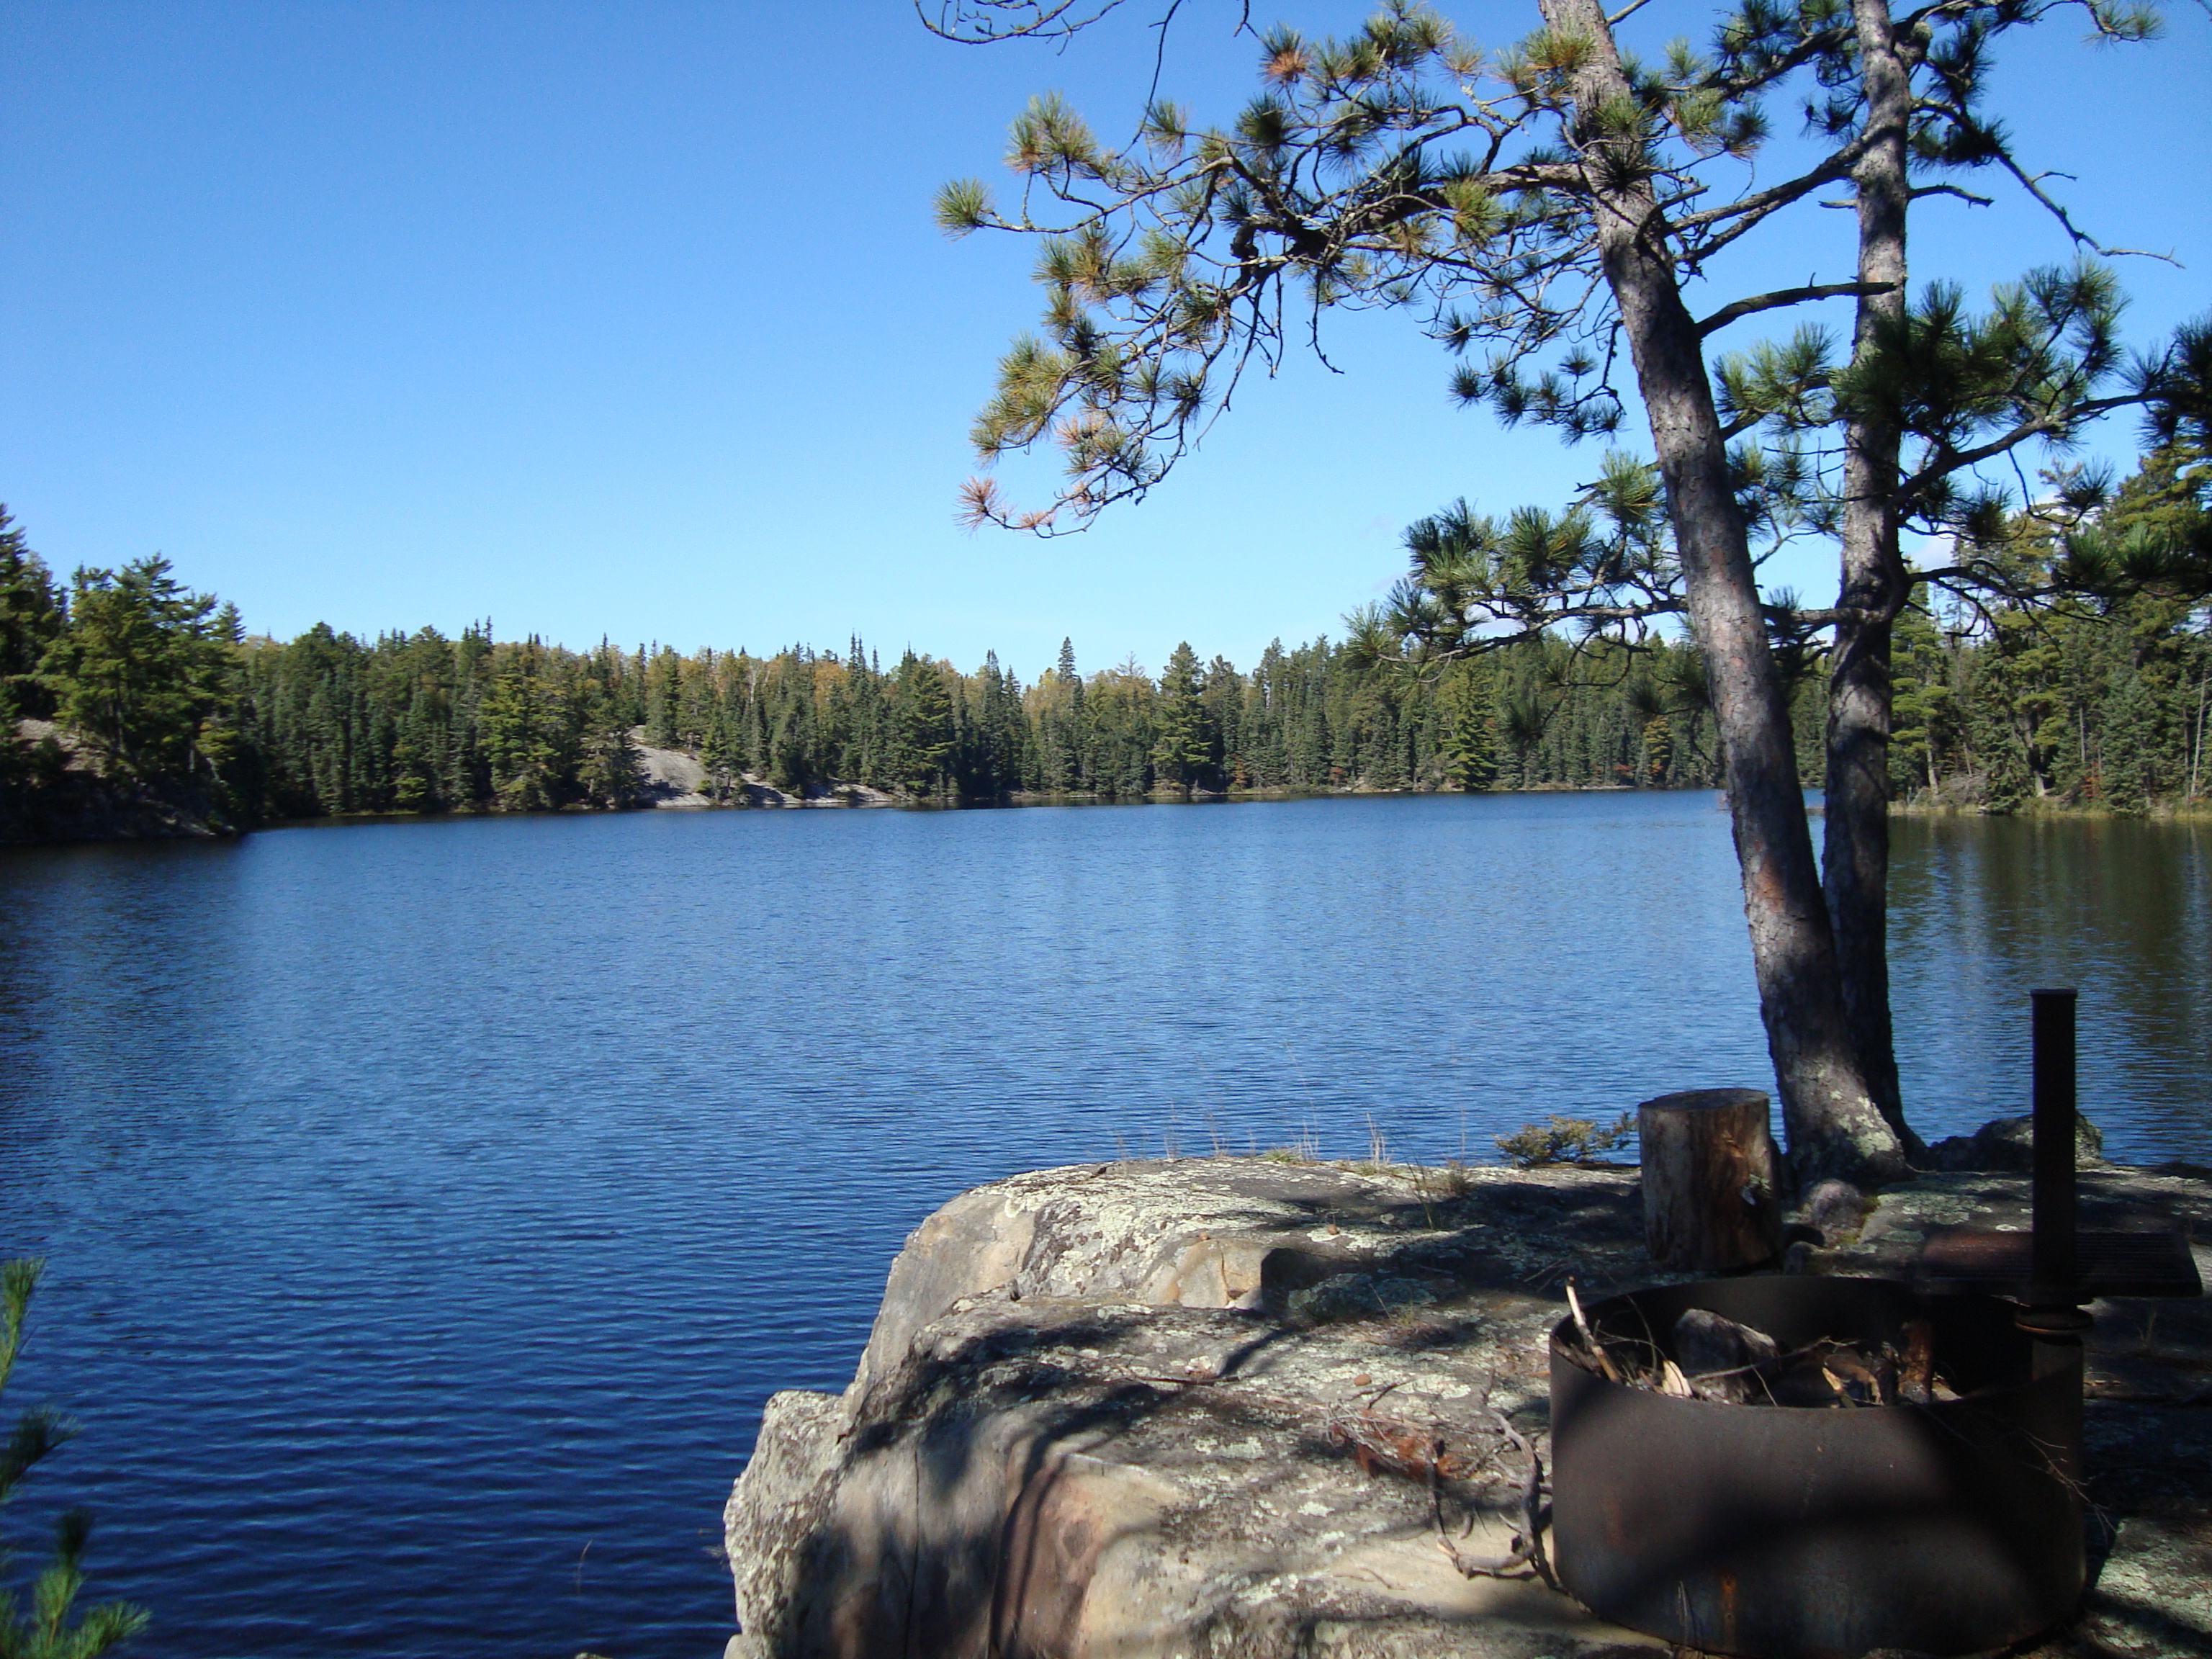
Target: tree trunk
x: 1710, y: 1203
x: 1835, y: 1127
x: 1854, y: 869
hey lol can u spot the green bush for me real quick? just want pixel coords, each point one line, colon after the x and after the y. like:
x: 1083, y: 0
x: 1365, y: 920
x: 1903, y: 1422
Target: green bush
x: 1563, y: 1140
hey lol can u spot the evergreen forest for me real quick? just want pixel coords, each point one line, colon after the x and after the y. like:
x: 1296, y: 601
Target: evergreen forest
x: 2099, y: 704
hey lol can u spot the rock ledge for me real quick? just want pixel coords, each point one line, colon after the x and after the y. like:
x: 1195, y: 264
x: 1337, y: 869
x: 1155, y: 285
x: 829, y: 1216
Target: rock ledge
x: 1217, y: 1409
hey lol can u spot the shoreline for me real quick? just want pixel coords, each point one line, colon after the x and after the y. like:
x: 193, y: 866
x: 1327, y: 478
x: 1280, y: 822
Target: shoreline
x: 847, y: 796
x: 674, y: 780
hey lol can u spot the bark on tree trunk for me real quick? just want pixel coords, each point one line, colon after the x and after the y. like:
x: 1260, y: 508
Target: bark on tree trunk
x: 1855, y: 852
x: 1834, y: 1126
x: 1710, y: 1203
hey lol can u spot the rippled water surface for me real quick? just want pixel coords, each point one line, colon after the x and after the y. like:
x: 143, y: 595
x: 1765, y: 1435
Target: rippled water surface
x: 430, y: 1207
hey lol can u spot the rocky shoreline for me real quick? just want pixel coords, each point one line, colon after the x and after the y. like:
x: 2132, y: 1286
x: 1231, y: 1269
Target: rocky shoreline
x: 55, y: 790
x: 1230, y: 1409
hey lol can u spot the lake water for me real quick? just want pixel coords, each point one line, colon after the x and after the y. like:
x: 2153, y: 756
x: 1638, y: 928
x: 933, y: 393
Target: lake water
x: 430, y: 1206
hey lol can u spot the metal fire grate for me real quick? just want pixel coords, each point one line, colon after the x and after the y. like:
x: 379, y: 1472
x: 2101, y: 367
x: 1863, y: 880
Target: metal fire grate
x: 1788, y: 1532
x: 1791, y: 1531
x: 2105, y: 1264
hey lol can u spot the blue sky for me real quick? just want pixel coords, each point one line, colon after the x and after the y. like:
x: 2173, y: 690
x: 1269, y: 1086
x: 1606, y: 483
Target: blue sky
x: 631, y: 319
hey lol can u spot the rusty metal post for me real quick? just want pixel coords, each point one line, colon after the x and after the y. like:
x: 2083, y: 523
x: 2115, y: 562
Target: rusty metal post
x: 2053, y: 1315
x: 2055, y: 1115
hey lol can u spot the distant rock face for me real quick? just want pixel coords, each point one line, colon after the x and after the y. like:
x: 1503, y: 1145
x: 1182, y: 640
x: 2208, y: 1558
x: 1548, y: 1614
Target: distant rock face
x: 677, y: 777
x: 1236, y: 1409
x: 53, y: 788
x: 673, y: 777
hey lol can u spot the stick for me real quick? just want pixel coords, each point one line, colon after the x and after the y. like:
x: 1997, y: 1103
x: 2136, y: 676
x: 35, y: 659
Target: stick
x: 1532, y: 1501
x: 1526, y: 1555
x: 1590, y: 1341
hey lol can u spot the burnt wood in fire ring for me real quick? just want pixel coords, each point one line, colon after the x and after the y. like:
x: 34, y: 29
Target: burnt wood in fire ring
x: 1783, y: 1532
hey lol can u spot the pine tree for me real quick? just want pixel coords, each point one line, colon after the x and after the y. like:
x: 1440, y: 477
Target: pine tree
x: 1603, y: 191
x: 791, y: 738
x: 2129, y: 771
x: 48, y: 1632
x: 923, y: 743
x: 1467, y: 745
x: 1182, y: 750
x: 532, y: 730
x: 610, y: 770
x: 1060, y: 723
x: 141, y: 668
x: 31, y: 618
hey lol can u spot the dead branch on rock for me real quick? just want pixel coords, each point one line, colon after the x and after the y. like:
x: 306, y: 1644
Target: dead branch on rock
x: 1526, y: 1558
x: 1385, y: 1444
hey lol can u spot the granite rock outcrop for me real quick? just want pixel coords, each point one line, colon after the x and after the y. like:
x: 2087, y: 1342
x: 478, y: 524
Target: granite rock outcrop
x: 1241, y: 1409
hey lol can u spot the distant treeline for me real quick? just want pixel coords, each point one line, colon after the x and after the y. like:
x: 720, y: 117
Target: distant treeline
x: 330, y: 723
x: 2103, y: 707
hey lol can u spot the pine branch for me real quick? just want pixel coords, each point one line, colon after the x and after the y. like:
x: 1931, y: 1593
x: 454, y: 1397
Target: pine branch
x: 1748, y: 212
x: 1789, y: 296
x: 1950, y: 461
x: 1966, y: 196
x: 2033, y: 186
x: 982, y: 22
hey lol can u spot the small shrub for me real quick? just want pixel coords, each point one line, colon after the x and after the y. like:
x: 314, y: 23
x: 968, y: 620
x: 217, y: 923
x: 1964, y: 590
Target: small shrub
x: 1563, y: 1140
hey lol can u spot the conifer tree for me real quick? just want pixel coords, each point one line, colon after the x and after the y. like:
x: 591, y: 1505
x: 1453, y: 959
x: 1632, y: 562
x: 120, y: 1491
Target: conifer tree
x: 44, y: 1630
x: 610, y: 770
x: 31, y: 616
x: 1468, y: 740
x: 142, y: 667
x: 2131, y: 743
x: 924, y: 740
x: 792, y: 737
x: 1544, y: 208
x: 1059, y: 735
x: 1222, y: 694
x: 1181, y: 752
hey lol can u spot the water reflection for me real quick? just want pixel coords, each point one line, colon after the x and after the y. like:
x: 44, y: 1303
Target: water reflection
x: 1983, y: 909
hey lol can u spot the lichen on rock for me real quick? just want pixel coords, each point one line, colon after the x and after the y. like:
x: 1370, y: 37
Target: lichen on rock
x: 1214, y: 1407
x: 1229, y: 1408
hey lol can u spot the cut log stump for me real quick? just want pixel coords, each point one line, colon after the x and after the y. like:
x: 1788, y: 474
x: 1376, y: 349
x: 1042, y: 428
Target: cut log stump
x: 1710, y: 1202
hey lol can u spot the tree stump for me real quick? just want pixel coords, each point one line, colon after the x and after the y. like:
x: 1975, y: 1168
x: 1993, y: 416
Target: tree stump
x: 1710, y: 1202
